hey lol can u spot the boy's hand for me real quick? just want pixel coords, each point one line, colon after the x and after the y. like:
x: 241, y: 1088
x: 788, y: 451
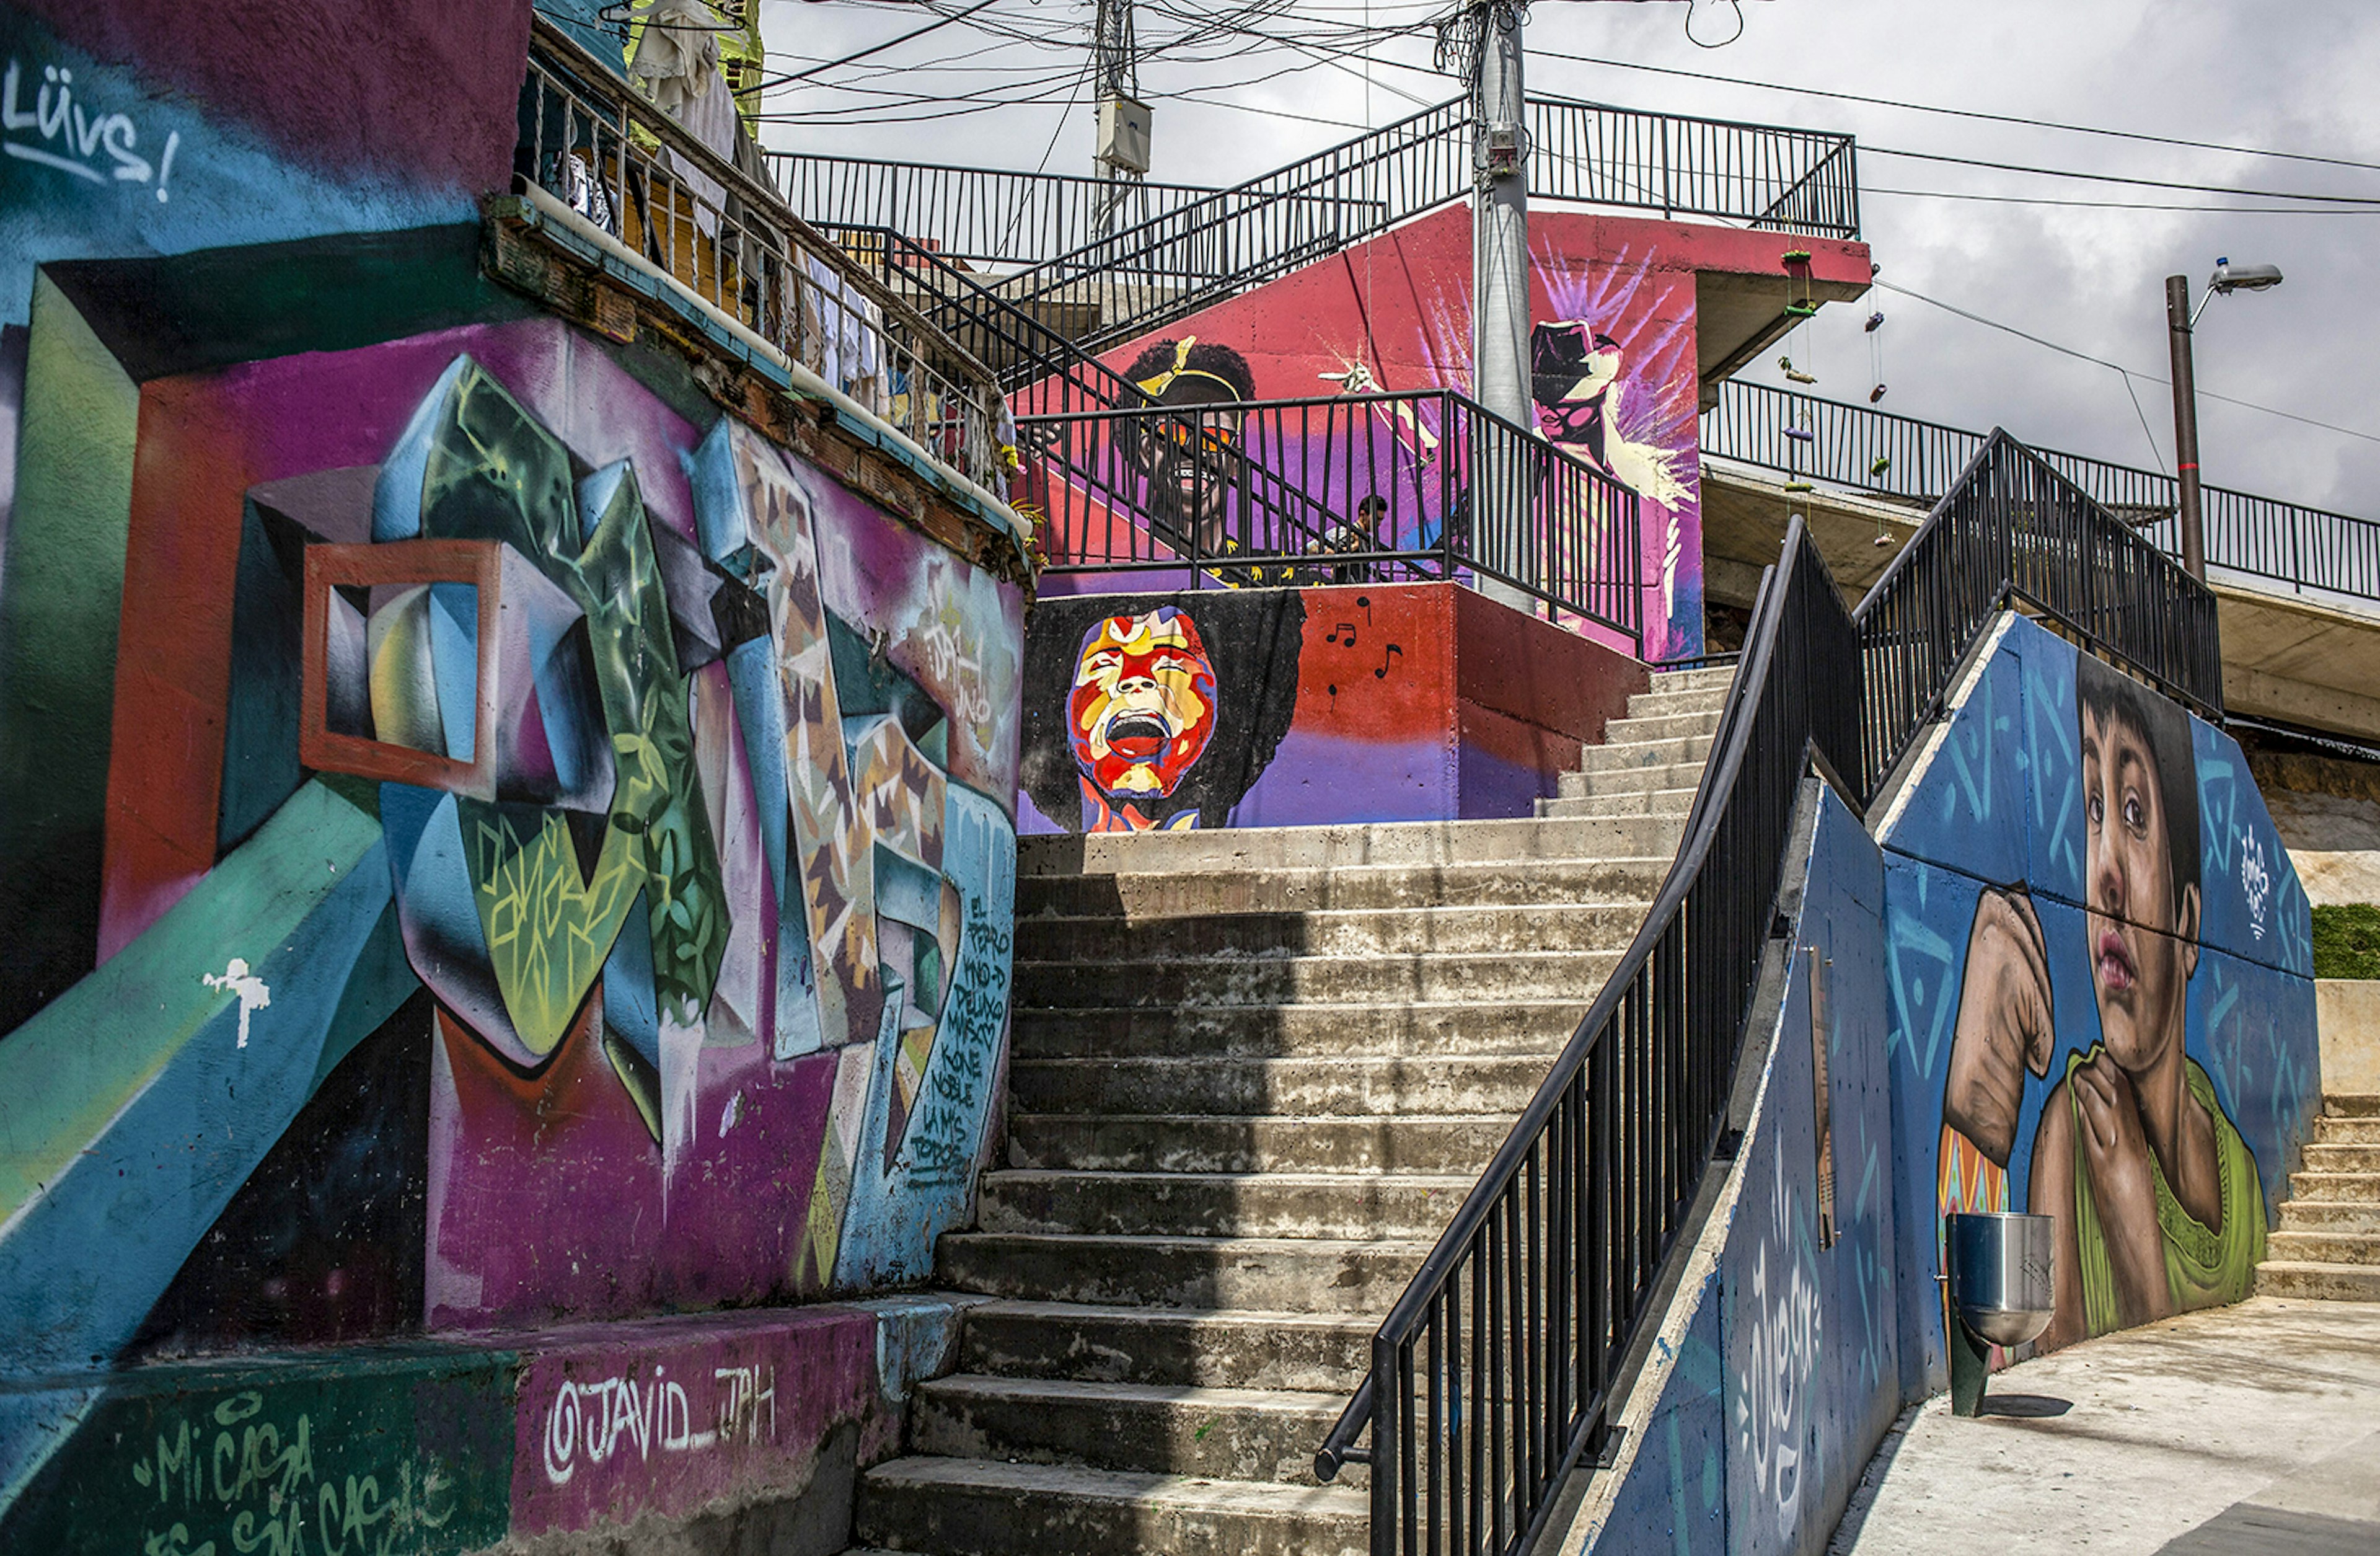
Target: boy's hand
x: 2004, y: 1023
x: 2115, y: 1151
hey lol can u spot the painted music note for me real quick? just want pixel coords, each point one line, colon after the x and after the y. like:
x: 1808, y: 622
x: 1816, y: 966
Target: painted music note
x: 1346, y: 626
x: 1394, y: 649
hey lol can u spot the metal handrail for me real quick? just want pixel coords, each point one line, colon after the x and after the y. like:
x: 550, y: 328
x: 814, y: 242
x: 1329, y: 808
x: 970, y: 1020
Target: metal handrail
x: 2291, y: 543
x: 1276, y: 492
x: 1178, y: 262
x: 1768, y: 175
x: 2015, y: 530
x: 594, y: 143
x: 1564, y: 1238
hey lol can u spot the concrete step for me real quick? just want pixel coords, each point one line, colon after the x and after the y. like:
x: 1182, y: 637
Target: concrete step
x: 982, y: 1507
x: 1410, y: 1029
x: 1498, y: 1085
x: 1280, y: 981
x: 2351, y: 1105
x: 2346, y: 1131
x: 1242, y: 1348
x: 1243, y: 1143
x: 2323, y: 1247
x: 1361, y: 933
x: 1720, y: 676
x: 1340, y: 1205
x: 1660, y: 727
x: 1192, y: 893
x: 1297, y: 1274
x: 1222, y: 1434
x: 1671, y: 752
x: 2362, y: 1186
x: 1660, y: 701
x: 2361, y: 1218
x: 2342, y: 1158
x: 1669, y: 803
x: 2320, y: 1283
x: 1627, y: 802
x: 1627, y: 780
x: 1341, y: 848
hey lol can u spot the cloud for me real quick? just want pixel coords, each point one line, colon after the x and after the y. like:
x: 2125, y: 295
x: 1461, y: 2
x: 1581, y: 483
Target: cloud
x: 2290, y: 77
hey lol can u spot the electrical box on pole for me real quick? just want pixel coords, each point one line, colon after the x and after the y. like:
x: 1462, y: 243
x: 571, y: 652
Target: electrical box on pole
x: 1124, y: 134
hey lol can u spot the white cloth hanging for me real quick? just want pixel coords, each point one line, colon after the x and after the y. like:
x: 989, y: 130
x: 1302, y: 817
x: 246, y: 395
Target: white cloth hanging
x: 677, y: 67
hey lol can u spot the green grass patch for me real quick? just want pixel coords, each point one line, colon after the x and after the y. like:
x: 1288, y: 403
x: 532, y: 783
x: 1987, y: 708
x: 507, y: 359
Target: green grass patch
x: 2347, y: 942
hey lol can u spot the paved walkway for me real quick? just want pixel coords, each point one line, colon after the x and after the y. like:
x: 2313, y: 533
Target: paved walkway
x: 2250, y: 1431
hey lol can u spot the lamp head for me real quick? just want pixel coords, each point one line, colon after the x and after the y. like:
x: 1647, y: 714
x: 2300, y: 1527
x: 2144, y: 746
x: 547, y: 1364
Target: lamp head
x: 2229, y: 279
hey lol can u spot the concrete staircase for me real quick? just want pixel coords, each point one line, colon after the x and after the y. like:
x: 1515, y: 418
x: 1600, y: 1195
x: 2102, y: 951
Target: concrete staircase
x: 1253, y: 1073
x: 2328, y: 1246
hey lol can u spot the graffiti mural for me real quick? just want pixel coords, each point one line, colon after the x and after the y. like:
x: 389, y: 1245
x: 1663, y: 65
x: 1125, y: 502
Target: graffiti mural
x: 2103, y: 1010
x: 1612, y: 373
x: 1281, y: 707
x: 487, y: 839
x: 1775, y: 1371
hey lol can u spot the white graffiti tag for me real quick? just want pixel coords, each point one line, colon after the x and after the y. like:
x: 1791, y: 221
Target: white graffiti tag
x: 56, y: 132
x: 2255, y: 881
x: 1772, y: 1403
x: 627, y: 1413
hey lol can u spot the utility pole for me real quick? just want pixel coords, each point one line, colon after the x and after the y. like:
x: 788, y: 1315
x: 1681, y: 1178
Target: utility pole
x: 1500, y: 287
x: 1122, y: 155
x: 1499, y: 240
x: 2178, y: 324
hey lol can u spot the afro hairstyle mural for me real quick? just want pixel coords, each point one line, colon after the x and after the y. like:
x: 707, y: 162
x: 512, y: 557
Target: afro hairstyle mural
x: 1254, y: 637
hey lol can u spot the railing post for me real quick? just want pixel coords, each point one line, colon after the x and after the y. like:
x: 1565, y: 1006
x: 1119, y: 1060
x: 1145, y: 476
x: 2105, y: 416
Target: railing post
x: 1387, y: 1451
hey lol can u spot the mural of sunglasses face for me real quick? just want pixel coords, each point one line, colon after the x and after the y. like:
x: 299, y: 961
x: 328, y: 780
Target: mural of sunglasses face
x: 1183, y: 434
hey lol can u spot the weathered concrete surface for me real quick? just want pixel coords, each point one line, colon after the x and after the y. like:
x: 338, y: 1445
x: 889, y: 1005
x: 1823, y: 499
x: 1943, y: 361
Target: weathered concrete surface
x: 2127, y: 1443
x: 2348, y: 1011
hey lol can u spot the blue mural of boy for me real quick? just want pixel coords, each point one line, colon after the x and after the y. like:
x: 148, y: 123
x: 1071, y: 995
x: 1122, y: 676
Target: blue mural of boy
x: 2157, y: 1198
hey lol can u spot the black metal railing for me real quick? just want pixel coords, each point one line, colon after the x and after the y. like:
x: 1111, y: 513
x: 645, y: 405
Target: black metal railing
x: 2017, y: 531
x: 611, y: 158
x: 1494, y: 1371
x: 1344, y: 487
x: 972, y: 215
x: 1173, y: 235
x: 1164, y: 269
x: 1856, y: 446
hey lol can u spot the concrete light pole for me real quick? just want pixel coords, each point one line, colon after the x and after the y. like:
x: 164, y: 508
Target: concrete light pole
x: 2178, y: 324
x: 2182, y: 322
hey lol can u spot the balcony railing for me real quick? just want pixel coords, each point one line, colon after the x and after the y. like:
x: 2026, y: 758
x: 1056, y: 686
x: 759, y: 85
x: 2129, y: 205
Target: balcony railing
x: 1854, y: 446
x: 634, y: 172
x: 1344, y: 489
x: 1173, y: 249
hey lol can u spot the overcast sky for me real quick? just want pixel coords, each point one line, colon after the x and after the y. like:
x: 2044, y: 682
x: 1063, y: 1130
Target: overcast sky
x: 2298, y: 76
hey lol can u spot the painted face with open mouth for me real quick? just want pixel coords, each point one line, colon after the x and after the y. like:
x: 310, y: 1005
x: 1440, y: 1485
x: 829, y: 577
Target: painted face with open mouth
x: 2139, y: 936
x: 1143, y: 705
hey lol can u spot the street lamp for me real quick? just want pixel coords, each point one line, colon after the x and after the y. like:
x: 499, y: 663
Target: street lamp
x: 2180, y: 319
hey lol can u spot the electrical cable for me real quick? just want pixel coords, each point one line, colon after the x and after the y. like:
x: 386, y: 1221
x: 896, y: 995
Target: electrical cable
x: 1957, y: 112
x: 878, y: 48
x: 1723, y: 42
x: 1975, y: 318
x: 2115, y: 177
x: 2373, y: 209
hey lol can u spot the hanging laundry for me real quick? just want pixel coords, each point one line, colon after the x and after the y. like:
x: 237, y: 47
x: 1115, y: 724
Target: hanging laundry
x: 676, y: 66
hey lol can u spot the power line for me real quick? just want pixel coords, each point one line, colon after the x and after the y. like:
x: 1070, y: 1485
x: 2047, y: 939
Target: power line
x: 2116, y: 178
x: 1960, y: 112
x: 878, y: 48
x: 2373, y: 209
x: 1975, y: 318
